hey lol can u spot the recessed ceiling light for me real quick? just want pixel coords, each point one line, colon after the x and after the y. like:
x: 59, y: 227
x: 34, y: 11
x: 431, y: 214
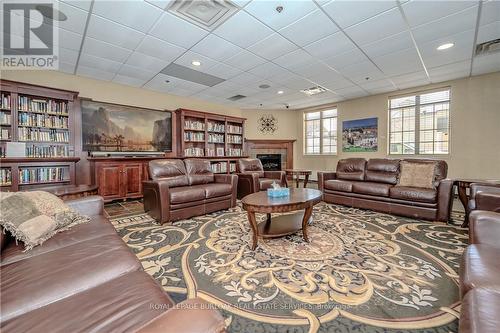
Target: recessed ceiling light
x: 280, y: 92
x: 445, y: 46
x: 195, y: 63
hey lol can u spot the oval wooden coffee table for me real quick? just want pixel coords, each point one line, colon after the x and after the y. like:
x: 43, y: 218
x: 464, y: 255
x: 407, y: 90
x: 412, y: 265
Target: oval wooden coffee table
x: 299, y: 198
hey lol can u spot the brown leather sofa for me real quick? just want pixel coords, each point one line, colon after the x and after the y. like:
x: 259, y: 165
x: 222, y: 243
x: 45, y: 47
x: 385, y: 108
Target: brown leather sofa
x: 252, y: 177
x: 480, y: 275
x: 182, y: 189
x: 87, y: 280
x: 371, y: 185
x: 484, y: 197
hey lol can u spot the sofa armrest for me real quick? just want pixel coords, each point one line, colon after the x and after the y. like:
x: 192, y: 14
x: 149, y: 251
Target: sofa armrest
x: 488, y: 201
x: 157, y: 199
x: 324, y: 176
x: 233, y: 181
x: 191, y: 316
x: 484, y: 227
x: 444, y: 199
x: 91, y: 205
x: 278, y: 175
x: 247, y: 183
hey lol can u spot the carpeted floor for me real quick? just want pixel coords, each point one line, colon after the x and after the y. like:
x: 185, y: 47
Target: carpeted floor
x: 362, y: 271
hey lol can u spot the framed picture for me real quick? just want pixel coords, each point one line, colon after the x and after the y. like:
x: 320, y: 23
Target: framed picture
x: 360, y: 135
x: 121, y: 128
x: 220, y: 151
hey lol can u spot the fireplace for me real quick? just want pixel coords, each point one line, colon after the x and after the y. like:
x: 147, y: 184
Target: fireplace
x: 270, y: 162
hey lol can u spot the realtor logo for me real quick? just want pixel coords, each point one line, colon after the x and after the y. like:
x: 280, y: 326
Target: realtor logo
x: 29, y: 32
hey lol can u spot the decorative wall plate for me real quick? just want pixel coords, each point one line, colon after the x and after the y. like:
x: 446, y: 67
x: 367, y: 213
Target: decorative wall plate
x: 268, y: 124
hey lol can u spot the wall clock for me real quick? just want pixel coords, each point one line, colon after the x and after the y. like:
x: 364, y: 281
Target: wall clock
x: 268, y: 124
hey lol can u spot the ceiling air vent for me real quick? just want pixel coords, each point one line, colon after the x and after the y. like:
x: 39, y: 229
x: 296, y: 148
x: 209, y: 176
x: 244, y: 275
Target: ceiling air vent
x: 314, y: 90
x: 488, y: 47
x: 236, y: 98
x: 208, y: 14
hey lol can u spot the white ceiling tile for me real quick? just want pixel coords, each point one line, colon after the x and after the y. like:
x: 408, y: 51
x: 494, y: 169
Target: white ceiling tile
x: 460, y: 66
x: 399, y: 63
x: 390, y: 44
x: 329, y: 46
x: 162, y: 4
x: 293, y: 60
x: 129, y: 81
x: 309, y: 29
x: 82, y: 4
x: 240, y: 3
x: 413, y: 84
x: 449, y: 25
x: 272, y: 47
x: 488, y: 32
x: 69, y: 40
x: 68, y: 56
x: 66, y: 68
x: 243, y: 30
x: 175, y: 83
x: 146, y: 62
x: 490, y: 12
x: 486, y: 64
x: 245, y: 60
x: 187, y: 58
x: 94, y: 73
x: 76, y: 18
x: 420, y: 12
x: 315, y: 69
x: 410, y: 77
x: 333, y: 83
x: 175, y: 30
x: 113, y: 33
x: 136, y: 72
x: 461, y: 51
x: 105, y: 50
x: 360, y: 71
x: 266, y: 11
x: 216, y: 48
x: 378, y: 27
x: 450, y: 76
x: 347, y: 13
x: 268, y: 70
x: 245, y: 78
x: 160, y: 49
x: 106, y: 65
x: 135, y: 14
x: 158, y: 83
x: 345, y: 59
x: 350, y: 91
x: 223, y: 71
x: 377, y: 84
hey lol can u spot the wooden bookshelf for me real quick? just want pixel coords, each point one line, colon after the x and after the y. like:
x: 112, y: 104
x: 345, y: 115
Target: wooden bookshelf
x: 43, y: 119
x: 208, y: 135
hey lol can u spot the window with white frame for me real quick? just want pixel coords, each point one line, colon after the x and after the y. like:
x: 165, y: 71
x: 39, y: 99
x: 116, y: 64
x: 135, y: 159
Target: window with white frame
x: 420, y: 124
x: 320, y: 132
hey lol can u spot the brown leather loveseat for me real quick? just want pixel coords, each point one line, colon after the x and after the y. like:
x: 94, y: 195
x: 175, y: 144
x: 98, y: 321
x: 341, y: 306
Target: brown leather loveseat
x: 372, y: 185
x: 252, y: 177
x: 87, y: 280
x: 182, y: 189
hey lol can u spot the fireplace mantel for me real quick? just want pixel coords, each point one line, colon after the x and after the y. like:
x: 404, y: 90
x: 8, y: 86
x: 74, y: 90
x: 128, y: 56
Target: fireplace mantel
x: 251, y: 144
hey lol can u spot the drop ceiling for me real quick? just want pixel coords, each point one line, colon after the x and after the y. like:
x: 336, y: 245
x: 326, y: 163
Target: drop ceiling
x: 351, y: 48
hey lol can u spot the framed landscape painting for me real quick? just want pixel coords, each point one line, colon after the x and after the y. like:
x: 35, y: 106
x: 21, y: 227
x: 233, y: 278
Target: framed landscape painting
x: 360, y: 135
x: 120, y: 128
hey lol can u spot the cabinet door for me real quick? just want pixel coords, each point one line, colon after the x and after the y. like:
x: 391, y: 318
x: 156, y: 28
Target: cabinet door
x: 132, y: 180
x: 109, y: 181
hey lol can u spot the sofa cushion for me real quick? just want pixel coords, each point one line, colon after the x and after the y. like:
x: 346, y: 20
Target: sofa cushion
x: 370, y: 188
x: 417, y: 174
x: 440, y: 171
x: 413, y: 194
x: 171, y: 171
x: 382, y: 170
x: 484, y: 228
x: 199, y: 171
x: 339, y: 185
x: 35, y: 282
x: 123, y: 304
x: 251, y: 165
x: 186, y: 194
x: 479, y: 311
x: 351, y: 169
x: 480, y: 268
x: 217, y: 190
x: 266, y: 183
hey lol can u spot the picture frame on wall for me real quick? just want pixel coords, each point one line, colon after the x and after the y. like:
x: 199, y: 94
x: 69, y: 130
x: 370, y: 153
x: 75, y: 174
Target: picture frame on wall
x: 360, y: 135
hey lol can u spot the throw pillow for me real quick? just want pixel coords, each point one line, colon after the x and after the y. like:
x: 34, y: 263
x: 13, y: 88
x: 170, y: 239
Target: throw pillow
x: 414, y: 174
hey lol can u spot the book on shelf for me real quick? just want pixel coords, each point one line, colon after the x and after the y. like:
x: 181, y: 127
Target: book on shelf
x: 234, y: 129
x: 47, y: 151
x: 237, y: 139
x: 5, y: 176
x: 194, y: 125
x: 5, y: 133
x: 42, y: 135
x: 5, y: 101
x: 42, y: 120
x: 210, y: 152
x: 5, y: 118
x: 193, y: 152
x: 194, y: 136
x: 219, y: 167
x: 215, y: 138
x: 234, y: 152
x: 42, y: 175
x: 30, y: 104
x: 215, y: 127
x: 232, y: 167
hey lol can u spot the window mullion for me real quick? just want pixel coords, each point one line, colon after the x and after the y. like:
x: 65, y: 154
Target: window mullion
x: 417, y: 125
x: 321, y: 134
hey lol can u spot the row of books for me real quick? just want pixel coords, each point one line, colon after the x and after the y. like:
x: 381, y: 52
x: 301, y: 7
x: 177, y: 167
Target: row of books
x: 5, y: 118
x: 43, y: 175
x: 194, y: 125
x: 5, y: 176
x: 234, y: 129
x: 48, y: 135
x: 5, y: 101
x: 5, y: 134
x: 194, y: 136
x: 234, y: 139
x: 234, y: 152
x: 194, y: 152
x: 215, y: 138
x: 219, y: 167
x: 47, y: 151
x: 215, y: 127
x: 26, y: 103
x: 42, y: 120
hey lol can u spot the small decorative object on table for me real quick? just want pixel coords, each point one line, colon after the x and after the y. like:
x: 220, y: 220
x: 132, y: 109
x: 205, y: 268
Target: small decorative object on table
x: 277, y: 191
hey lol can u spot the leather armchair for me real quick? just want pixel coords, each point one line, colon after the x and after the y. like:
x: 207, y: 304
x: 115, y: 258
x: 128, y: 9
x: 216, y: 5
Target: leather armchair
x: 182, y: 189
x: 252, y: 177
x: 484, y: 197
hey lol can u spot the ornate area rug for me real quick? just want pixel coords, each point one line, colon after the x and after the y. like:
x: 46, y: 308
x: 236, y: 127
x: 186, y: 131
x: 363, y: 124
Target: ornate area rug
x: 361, y: 272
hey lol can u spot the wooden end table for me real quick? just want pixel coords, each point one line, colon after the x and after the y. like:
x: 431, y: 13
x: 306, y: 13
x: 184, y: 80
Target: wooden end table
x: 297, y: 173
x: 259, y: 202
x: 463, y: 185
